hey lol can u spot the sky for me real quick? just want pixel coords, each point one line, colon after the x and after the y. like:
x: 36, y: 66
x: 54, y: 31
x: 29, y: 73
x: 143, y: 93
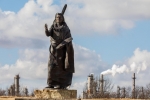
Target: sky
x: 110, y: 37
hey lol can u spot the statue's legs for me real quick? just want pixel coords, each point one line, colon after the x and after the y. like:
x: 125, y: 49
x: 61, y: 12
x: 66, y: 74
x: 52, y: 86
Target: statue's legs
x: 57, y: 75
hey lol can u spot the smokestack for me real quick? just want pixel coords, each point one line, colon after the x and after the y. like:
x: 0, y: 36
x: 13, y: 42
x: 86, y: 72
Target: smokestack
x: 118, y: 92
x: 16, y: 78
x: 102, y: 84
x: 133, y: 90
x: 90, y: 83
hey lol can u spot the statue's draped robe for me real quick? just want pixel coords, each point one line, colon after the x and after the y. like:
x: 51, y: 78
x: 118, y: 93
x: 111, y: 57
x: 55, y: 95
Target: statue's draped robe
x: 61, y: 62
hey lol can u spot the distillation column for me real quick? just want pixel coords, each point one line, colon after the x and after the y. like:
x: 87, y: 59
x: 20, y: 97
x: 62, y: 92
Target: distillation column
x: 16, y: 79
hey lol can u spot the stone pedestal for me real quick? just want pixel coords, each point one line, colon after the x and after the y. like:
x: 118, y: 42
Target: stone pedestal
x: 55, y: 94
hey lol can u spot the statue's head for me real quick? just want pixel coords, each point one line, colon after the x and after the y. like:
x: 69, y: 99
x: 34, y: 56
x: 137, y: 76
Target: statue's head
x: 59, y: 18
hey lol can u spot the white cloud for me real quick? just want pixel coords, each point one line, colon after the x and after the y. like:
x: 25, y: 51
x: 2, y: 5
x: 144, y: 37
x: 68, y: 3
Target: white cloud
x: 87, y: 62
x: 32, y: 66
x: 82, y: 16
x: 35, y: 60
x: 138, y: 62
x: 107, y: 16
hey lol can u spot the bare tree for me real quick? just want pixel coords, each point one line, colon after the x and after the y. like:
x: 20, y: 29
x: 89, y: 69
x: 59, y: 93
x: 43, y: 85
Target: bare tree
x: 2, y: 92
x: 137, y: 91
x: 108, y: 86
x: 128, y: 92
x: 23, y: 91
x: 147, y: 91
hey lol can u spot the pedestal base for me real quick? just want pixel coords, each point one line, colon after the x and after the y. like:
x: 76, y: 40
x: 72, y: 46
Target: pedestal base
x: 55, y: 94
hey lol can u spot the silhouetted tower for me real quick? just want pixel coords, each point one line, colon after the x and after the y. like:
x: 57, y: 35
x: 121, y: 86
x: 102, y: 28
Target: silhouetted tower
x: 133, y: 90
x: 16, y: 81
x: 90, y: 84
x: 12, y: 90
x: 101, y: 84
x: 118, y: 92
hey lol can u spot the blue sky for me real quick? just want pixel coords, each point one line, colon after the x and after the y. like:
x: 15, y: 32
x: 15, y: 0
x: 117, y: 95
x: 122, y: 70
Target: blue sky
x: 11, y: 5
x: 104, y: 34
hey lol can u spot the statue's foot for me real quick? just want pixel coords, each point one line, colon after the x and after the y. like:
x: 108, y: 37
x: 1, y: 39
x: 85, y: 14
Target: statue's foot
x: 49, y: 86
x: 60, y: 87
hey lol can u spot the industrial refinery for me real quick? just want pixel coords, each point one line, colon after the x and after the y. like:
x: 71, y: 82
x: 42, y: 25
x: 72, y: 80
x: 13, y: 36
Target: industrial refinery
x: 101, y: 88
x: 14, y: 89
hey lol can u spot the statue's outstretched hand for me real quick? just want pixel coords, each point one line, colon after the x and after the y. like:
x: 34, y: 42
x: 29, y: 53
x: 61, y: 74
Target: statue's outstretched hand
x: 46, y: 27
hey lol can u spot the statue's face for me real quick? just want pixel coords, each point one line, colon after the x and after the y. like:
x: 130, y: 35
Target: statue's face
x: 59, y: 19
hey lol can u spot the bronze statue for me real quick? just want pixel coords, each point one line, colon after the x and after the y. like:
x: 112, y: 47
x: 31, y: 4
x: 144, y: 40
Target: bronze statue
x: 61, y: 59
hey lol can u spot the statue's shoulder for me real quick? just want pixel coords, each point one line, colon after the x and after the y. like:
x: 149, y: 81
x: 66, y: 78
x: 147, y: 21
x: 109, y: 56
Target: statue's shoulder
x: 66, y: 27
